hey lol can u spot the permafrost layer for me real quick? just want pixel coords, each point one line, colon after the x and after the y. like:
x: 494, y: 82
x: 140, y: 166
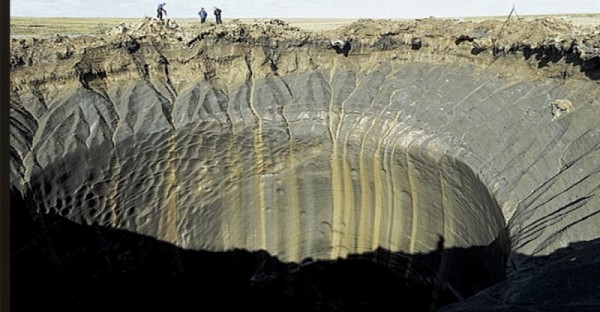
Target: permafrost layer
x: 263, y: 137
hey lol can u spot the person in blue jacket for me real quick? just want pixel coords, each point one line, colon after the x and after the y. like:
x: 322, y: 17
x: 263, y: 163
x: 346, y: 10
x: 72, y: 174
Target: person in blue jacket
x: 203, y: 14
x: 160, y: 9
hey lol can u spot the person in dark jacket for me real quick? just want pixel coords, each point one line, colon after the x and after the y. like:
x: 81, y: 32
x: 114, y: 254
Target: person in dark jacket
x: 217, y: 13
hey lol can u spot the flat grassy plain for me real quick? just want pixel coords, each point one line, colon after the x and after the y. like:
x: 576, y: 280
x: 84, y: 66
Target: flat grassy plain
x: 44, y: 26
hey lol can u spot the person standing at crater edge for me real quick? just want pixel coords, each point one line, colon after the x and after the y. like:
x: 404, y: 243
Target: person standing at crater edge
x: 217, y: 13
x: 160, y: 9
x: 203, y: 15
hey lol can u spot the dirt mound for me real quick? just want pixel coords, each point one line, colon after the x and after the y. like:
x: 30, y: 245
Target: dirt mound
x: 165, y: 30
x: 234, y: 31
x: 507, y: 36
x: 550, y: 40
x: 502, y: 36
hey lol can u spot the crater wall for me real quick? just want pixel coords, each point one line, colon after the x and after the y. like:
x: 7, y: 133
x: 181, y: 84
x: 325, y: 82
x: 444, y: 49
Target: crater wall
x: 236, y: 138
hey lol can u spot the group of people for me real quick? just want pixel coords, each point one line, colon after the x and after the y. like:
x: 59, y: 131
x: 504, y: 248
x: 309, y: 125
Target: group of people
x: 161, y: 11
x: 216, y: 11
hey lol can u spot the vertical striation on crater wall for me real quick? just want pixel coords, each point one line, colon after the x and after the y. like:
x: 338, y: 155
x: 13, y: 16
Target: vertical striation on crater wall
x: 321, y: 183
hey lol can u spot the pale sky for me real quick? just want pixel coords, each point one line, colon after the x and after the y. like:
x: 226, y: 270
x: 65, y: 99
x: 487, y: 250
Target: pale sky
x: 352, y: 9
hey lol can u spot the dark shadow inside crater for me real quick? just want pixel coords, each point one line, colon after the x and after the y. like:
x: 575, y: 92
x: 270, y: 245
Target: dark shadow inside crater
x: 61, y: 265
x: 342, y: 47
x: 551, y: 55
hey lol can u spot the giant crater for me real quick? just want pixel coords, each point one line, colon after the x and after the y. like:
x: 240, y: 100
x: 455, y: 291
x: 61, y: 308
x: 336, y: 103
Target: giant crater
x: 451, y: 164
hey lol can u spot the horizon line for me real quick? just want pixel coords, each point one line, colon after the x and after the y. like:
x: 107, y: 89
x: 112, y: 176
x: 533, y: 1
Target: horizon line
x: 312, y: 18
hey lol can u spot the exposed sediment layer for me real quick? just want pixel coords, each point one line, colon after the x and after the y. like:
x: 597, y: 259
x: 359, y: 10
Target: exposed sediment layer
x: 265, y: 137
